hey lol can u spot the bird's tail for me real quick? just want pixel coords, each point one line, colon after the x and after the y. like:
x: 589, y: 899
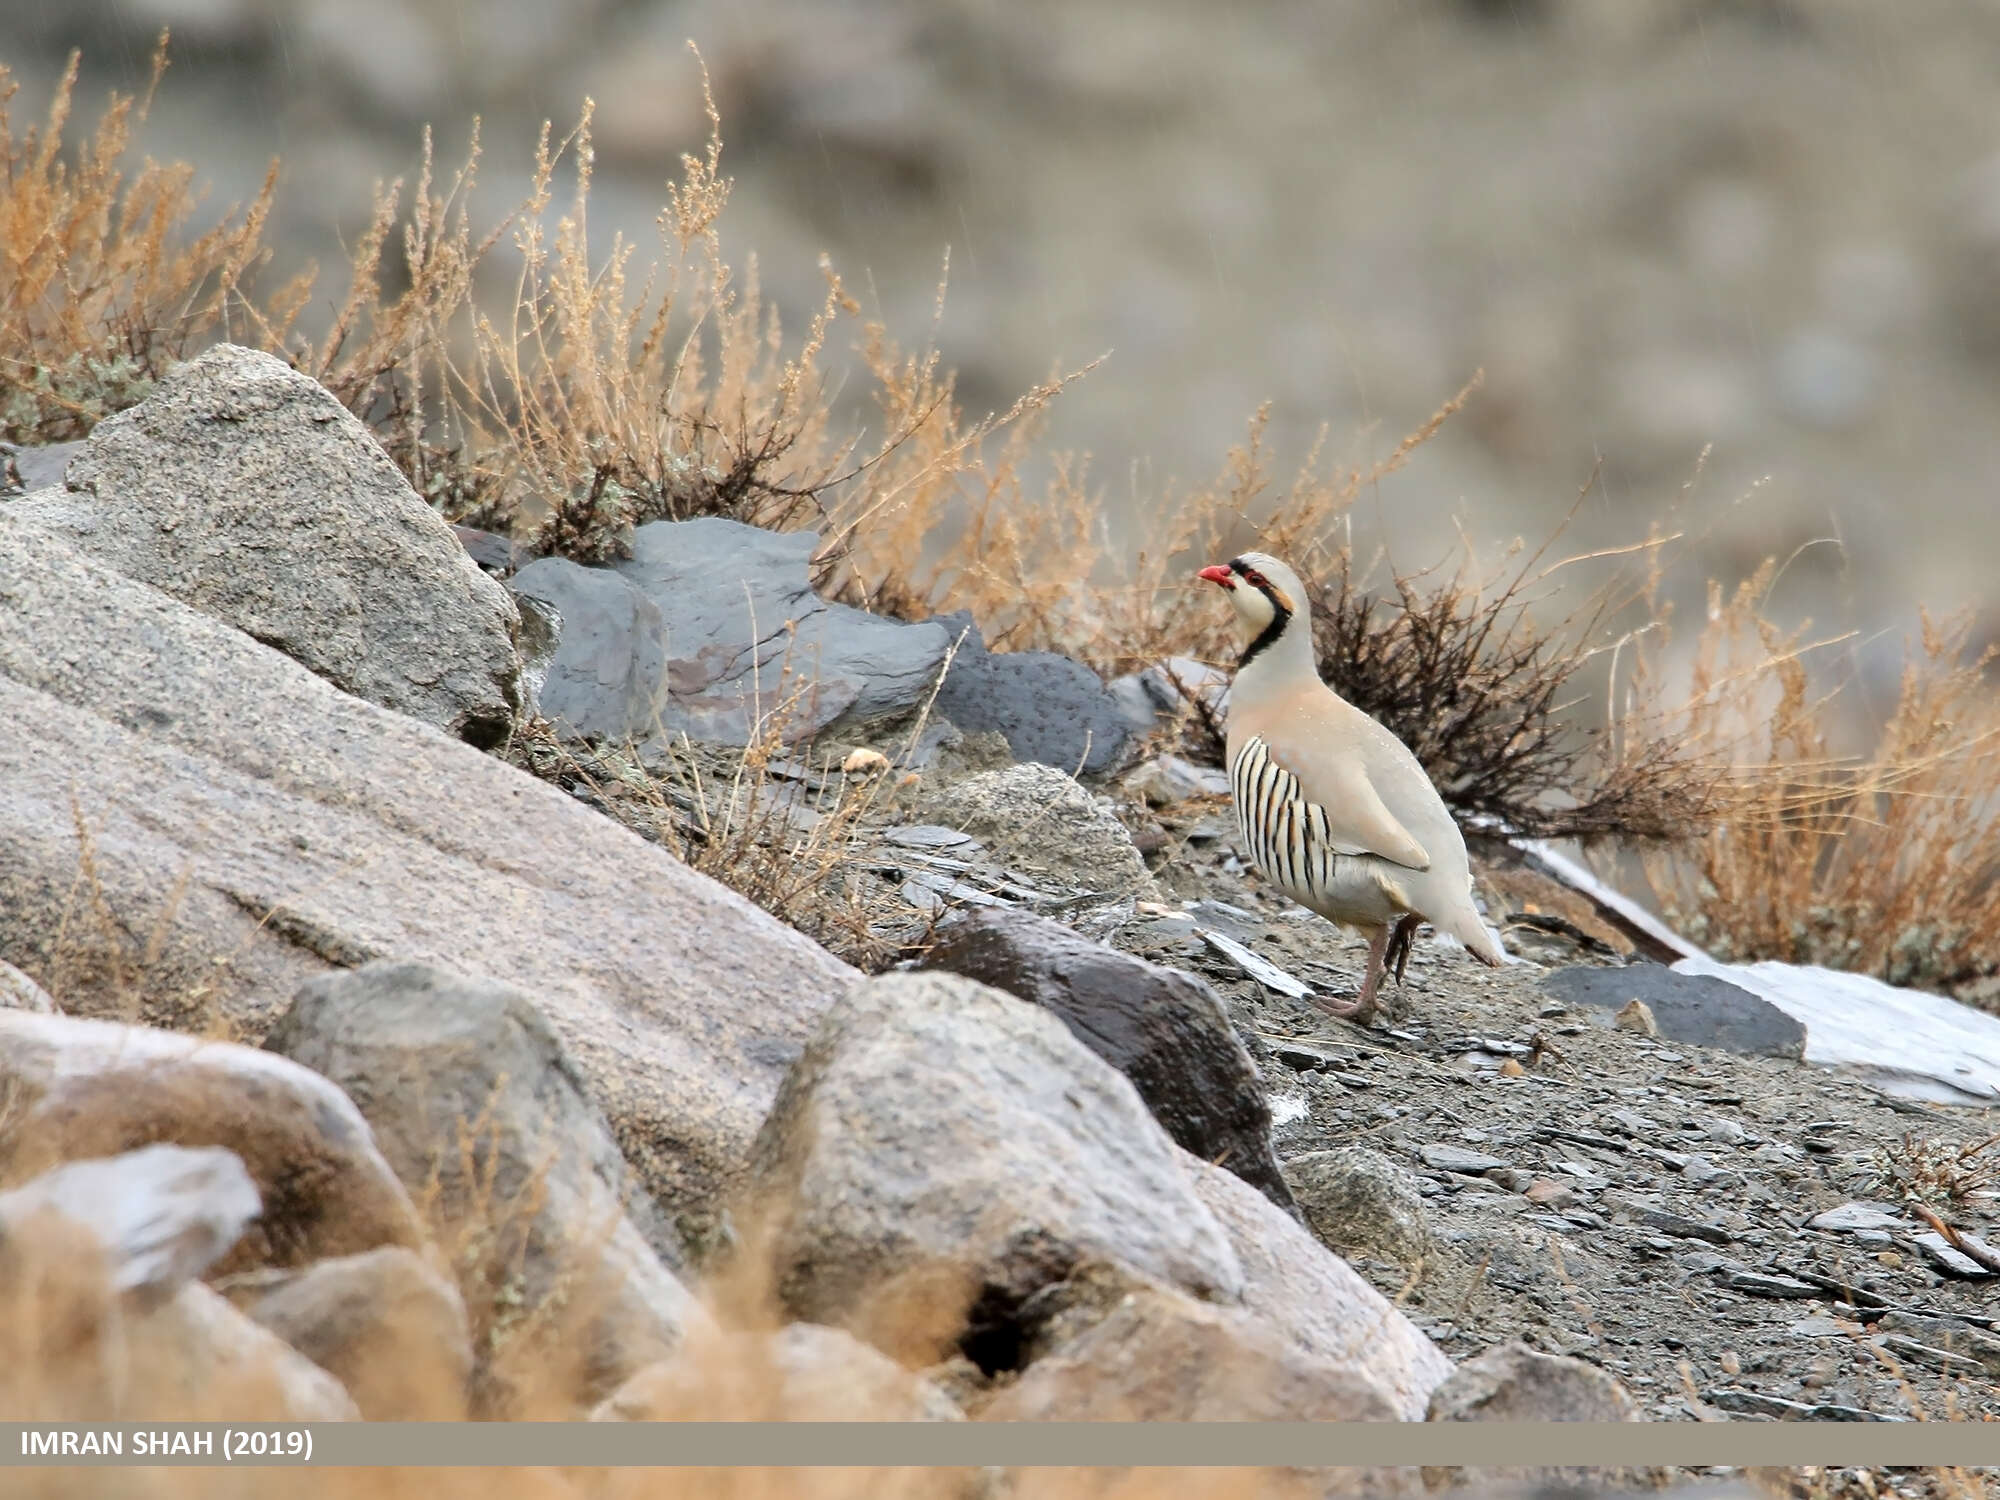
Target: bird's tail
x: 1464, y: 923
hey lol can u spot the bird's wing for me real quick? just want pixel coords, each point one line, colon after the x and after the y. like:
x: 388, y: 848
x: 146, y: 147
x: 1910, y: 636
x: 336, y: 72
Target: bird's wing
x: 1357, y: 820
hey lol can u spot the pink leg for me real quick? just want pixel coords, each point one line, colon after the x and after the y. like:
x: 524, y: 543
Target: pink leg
x: 1361, y: 1010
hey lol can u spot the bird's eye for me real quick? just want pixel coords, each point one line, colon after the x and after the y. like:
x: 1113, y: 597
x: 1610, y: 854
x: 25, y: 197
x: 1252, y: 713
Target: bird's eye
x: 1254, y: 579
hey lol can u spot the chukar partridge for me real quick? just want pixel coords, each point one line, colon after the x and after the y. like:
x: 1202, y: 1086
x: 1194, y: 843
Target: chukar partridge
x: 1334, y: 809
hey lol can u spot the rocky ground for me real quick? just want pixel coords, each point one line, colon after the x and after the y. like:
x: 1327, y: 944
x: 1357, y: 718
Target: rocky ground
x: 382, y: 1070
x: 1679, y: 1214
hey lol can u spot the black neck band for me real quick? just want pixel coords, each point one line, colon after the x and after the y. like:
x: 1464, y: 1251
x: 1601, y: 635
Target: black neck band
x: 1280, y: 617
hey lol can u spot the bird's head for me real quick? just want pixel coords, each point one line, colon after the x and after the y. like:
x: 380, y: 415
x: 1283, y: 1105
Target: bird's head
x: 1264, y: 593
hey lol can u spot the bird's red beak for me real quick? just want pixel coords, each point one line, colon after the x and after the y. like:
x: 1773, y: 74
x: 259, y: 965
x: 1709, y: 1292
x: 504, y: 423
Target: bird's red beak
x: 1218, y: 574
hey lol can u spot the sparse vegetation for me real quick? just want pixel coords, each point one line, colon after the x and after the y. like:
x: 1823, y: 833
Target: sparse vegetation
x: 782, y: 819
x: 601, y: 397
x: 105, y: 287
x: 1938, y: 1173
x: 1881, y: 862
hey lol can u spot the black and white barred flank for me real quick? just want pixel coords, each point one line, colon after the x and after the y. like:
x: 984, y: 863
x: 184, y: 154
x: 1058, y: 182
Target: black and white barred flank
x: 1287, y: 835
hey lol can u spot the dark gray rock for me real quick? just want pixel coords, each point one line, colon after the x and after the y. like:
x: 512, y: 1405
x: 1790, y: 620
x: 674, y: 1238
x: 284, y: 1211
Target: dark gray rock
x: 1360, y: 1203
x: 1051, y: 709
x: 1164, y: 1030
x: 709, y: 625
x: 163, y: 1214
x: 1653, y: 1216
x: 468, y: 1087
x: 1949, y: 1259
x: 1695, y: 1009
x: 1949, y: 1361
x: 1762, y: 1284
x: 605, y: 677
x: 1948, y: 1334
x: 270, y: 828
x: 385, y: 1324
x: 1758, y: 1404
x: 243, y: 488
x: 1443, y: 1157
x: 942, y: 1151
x: 495, y: 554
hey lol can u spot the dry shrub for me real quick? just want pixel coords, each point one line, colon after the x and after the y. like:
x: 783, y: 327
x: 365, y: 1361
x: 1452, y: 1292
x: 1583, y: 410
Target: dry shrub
x: 1938, y: 1173
x: 103, y: 288
x: 1485, y: 696
x: 1881, y: 862
x: 602, y: 396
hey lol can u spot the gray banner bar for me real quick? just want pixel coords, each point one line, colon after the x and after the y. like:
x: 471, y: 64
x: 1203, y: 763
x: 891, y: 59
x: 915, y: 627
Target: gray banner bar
x: 978, y: 1444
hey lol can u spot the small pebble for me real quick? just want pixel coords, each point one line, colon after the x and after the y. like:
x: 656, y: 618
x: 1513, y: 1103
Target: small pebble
x: 1548, y: 1194
x: 1636, y: 1016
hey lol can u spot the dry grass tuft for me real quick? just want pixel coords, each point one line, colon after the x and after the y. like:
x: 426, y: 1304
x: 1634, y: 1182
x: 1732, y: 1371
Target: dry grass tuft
x: 1880, y: 862
x: 103, y: 288
x: 786, y: 834
x: 1940, y: 1174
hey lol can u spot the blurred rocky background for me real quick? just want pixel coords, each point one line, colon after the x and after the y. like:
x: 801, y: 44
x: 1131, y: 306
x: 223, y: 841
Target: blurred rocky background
x: 1657, y: 225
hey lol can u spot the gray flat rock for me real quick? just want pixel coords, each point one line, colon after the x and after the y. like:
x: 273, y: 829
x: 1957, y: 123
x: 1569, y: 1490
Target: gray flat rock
x: 1852, y: 1216
x: 711, y: 627
x: 1757, y: 1404
x: 1447, y: 1158
x: 1757, y: 1284
x: 927, y: 836
x: 1905, y: 1042
x: 1051, y: 709
x: 1687, y: 1007
x: 1941, y: 1253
